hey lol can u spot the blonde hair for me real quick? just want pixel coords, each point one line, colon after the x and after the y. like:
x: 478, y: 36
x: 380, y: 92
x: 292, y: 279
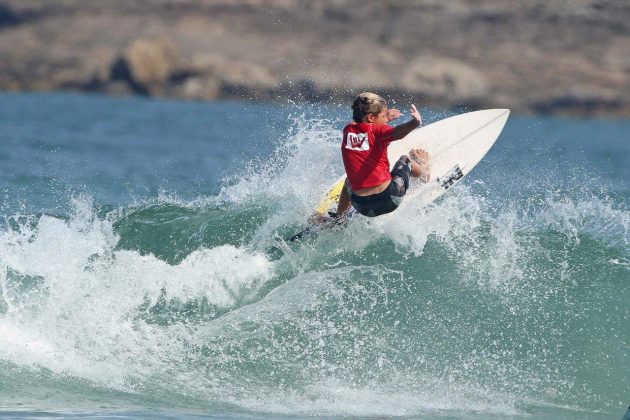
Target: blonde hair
x: 367, y: 103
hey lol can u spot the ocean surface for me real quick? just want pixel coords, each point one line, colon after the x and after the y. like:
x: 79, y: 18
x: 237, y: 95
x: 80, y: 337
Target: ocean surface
x: 145, y: 272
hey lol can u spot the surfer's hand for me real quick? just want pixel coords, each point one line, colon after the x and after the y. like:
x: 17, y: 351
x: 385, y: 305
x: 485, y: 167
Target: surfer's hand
x: 416, y: 114
x: 393, y: 114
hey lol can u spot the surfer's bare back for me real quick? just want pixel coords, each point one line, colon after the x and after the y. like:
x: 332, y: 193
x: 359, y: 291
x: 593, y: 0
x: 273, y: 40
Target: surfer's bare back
x: 370, y: 187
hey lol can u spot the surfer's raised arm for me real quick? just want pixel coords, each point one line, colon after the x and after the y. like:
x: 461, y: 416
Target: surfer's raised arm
x: 400, y: 131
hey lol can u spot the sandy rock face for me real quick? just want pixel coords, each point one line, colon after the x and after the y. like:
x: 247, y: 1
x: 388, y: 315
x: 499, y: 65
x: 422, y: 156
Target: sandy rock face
x: 147, y: 65
x: 444, y: 78
x: 151, y: 61
x: 233, y: 75
x: 201, y: 88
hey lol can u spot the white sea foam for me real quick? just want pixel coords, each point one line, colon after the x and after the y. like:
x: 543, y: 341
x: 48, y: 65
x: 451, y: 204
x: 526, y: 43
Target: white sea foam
x: 82, y: 317
x: 294, y: 179
x: 301, y: 167
x: 333, y: 397
x: 597, y: 217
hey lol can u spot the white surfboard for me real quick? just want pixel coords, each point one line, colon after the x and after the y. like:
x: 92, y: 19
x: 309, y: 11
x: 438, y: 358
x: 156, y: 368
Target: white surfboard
x: 455, y: 146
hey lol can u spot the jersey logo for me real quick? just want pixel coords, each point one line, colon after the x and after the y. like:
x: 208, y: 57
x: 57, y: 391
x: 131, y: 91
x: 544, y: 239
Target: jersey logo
x: 357, y: 141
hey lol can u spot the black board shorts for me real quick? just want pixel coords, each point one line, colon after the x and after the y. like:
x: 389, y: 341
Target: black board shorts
x: 388, y: 200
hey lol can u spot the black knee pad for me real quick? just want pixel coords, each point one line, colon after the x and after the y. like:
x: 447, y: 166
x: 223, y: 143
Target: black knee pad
x: 402, y: 169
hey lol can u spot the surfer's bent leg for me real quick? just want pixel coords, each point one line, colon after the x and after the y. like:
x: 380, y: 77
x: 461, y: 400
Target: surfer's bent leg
x: 388, y: 200
x: 400, y: 179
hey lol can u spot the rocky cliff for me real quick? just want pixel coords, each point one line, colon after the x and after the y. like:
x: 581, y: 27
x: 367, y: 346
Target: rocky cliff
x: 555, y: 56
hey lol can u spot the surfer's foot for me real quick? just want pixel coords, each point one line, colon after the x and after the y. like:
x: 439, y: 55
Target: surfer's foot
x: 317, y: 218
x: 420, y: 164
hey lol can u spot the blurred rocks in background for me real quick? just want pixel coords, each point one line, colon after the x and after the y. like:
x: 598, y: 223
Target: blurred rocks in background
x: 537, y: 56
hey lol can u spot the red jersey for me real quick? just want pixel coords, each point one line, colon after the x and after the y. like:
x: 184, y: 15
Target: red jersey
x: 364, y: 152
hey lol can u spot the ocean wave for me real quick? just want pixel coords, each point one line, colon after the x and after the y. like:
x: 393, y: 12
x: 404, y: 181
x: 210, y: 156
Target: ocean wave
x: 483, y: 299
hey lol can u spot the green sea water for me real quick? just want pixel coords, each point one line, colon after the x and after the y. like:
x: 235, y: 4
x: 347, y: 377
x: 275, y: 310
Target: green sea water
x: 145, y: 272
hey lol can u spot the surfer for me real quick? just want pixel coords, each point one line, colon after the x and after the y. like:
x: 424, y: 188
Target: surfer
x: 370, y: 187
